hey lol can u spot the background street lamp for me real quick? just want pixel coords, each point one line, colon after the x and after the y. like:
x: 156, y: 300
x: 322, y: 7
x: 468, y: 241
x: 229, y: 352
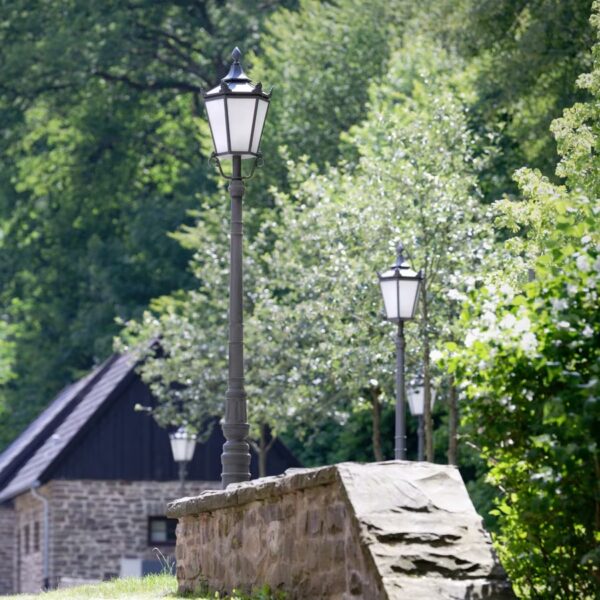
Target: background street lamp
x: 236, y: 111
x: 416, y: 402
x: 400, y: 287
x: 183, y: 444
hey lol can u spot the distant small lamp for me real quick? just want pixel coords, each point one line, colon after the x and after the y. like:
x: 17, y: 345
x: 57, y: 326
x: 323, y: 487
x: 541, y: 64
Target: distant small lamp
x: 400, y: 287
x: 416, y: 402
x: 183, y: 444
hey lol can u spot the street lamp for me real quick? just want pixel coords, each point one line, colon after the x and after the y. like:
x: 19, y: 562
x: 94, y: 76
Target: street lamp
x: 416, y: 402
x: 183, y: 444
x: 400, y: 287
x: 236, y: 111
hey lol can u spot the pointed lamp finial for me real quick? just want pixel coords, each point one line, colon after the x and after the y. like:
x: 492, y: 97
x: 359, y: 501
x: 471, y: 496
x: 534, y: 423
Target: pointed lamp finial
x: 236, y: 72
x: 399, y: 255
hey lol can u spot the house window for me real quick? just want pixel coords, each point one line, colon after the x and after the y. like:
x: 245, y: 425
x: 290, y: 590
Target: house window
x: 161, y: 530
x: 26, y: 539
x: 36, y: 536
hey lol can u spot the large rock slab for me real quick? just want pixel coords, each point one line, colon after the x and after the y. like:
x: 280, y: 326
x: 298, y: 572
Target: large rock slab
x: 387, y: 530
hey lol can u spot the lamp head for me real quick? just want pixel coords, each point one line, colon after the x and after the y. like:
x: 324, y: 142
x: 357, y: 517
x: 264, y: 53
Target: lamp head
x: 183, y: 444
x: 237, y: 110
x: 400, y: 287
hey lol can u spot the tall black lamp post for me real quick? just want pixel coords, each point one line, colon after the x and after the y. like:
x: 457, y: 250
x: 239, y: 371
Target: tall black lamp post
x: 416, y: 403
x: 400, y: 287
x: 236, y: 110
x: 183, y: 444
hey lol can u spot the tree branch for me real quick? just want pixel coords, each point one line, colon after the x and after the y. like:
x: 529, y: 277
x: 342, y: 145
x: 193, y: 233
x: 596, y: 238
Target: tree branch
x: 165, y: 84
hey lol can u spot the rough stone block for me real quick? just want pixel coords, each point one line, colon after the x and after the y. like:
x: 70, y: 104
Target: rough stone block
x: 389, y: 530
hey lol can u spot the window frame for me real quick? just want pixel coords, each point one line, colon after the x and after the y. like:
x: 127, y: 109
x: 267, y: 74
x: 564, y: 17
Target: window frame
x: 36, y: 536
x: 26, y: 545
x: 171, y: 525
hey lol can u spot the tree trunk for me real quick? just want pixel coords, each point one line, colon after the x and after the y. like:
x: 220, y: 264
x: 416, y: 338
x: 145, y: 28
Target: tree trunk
x: 453, y: 425
x: 262, y: 449
x: 427, y: 378
x: 376, y: 436
x: 262, y: 455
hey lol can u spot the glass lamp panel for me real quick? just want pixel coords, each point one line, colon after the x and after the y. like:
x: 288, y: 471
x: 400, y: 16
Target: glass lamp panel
x: 416, y: 400
x: 408, y: 290
x: 241, y: 117
x: 389, y: 291
x: 218, y: 126
x: 261, y: 113
x: 178, y: 447
x: 189, y: 448
x: 183, y: 448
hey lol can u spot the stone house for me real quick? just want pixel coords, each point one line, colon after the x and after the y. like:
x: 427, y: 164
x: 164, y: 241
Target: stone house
x: 83, y: 490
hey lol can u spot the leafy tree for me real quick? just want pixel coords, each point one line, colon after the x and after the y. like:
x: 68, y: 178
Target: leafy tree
x: 6, y: 353
x: 100, y: 158
x: 321, y: 60
x: 148, y: 46
x: 529, y: 368
x: 528, y: 56
x: 87, y: 227
x: 531, y: 376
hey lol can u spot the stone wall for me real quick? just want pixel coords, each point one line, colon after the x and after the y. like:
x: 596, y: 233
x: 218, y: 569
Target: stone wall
x: 7, y: 549
x: 378, y: 531
x: 93, y: 525
x: 302, y: 538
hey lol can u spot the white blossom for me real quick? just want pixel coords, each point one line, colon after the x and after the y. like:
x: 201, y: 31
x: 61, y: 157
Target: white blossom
x: 470, y: 282
x: 522, y: 325
x: 559, y: 304
x: 587, y: 331
x: 583, y: 264
x: 489, y: 318
x: 470, y: 339
x: 508, y: 321
x: 455, y: 295
x: 436, y: 355
x: 528, y: 342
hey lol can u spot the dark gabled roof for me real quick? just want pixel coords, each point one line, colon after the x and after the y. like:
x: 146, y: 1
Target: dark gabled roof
x: 39, y: 430
x: 80, y: 402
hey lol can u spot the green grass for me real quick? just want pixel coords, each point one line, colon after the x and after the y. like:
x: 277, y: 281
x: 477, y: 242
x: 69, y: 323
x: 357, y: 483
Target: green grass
x: 151, y: 586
